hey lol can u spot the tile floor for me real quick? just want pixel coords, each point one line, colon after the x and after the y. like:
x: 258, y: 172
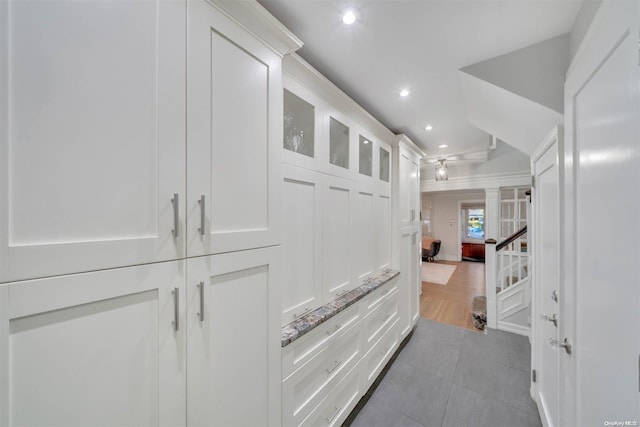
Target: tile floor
x: 451, y: 377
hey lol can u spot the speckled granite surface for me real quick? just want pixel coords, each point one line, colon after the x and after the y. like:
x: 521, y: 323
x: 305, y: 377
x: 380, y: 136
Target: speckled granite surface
x: 301, y: 326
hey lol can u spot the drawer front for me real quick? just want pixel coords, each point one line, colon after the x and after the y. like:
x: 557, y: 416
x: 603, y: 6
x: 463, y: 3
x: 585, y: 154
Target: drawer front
x: 308, y: 386
x: 377, y: 358
x: 307, y: 347
x: 337, y: 407
x: 380, y: 320
x: 377, y: 297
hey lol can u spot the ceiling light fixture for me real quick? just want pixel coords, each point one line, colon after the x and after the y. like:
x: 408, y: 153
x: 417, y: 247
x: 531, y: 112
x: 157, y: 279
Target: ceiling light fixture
x: 443, y: 145
x: 349, y: 17
x: 428, y: 127
x: 441, y: 171
x: 404, y: 92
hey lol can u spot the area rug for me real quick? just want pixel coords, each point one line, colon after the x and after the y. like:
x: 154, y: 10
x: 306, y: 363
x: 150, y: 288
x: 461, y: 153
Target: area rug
x: 437, y: 273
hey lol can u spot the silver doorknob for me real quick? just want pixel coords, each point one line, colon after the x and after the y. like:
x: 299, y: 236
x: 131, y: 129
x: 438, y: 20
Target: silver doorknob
x: 566, y: 344
x: 553, y: 318
x: 554, y: 295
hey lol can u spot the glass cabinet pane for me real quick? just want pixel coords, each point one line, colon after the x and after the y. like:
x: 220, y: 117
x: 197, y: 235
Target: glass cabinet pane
x: 384, y: 165
x: 298, y: 124
x: 338, y: 144
x: 366, y: 153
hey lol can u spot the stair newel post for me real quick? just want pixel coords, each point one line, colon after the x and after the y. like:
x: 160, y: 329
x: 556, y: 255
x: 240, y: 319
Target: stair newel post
x: 491, y: 274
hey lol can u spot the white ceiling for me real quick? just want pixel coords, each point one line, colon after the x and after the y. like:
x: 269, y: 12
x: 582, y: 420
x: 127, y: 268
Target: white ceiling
x: 419, y: 44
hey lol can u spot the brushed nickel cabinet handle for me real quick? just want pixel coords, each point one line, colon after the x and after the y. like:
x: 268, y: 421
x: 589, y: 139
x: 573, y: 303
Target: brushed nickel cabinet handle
x: 201, y: 313
x: 334, y: 367
x: 335, y: 414
x: 176, y: 214
x: 176, y: 308
x: 202, y: 214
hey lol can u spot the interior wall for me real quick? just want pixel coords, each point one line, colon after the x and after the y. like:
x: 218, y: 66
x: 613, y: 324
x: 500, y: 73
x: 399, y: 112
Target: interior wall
x: 581, y: 24
x: 445, y: 219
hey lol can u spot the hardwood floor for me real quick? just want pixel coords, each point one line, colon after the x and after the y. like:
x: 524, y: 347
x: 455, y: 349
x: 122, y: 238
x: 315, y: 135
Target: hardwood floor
x: 451, y: 303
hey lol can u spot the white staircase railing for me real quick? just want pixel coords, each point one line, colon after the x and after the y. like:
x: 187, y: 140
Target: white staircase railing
x: 507, y: 282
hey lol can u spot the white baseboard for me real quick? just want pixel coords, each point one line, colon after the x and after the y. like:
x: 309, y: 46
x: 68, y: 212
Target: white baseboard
x: 516, y: 329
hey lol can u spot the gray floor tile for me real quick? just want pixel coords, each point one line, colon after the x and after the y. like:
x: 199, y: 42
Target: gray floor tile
x: 379, y: 414
x: 467, y: 408
x: 500, y: 382
x: 502, y: 347
x: 415, y: 393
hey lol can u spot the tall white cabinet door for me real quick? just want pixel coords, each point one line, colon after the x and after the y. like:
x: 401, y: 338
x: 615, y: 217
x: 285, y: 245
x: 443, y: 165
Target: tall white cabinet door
x: 409, y: 188
x: 301, y: 245
x: 92, y: 142
x: 233, y: 343
x: 99, y: 348
x: 234, y: 136
x: 408, y: 284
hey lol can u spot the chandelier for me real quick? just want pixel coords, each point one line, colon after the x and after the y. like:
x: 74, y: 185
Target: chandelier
x: 441, y: 171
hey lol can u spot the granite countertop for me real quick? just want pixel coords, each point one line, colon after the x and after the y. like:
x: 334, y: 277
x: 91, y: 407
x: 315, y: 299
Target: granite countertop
x: 304, y: 324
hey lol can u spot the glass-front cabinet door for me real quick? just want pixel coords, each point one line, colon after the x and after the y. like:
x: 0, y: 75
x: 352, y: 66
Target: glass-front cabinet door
x: 338, y: 144
x: 366, y: 156
x: 298, y: 125
x: 384, y: 165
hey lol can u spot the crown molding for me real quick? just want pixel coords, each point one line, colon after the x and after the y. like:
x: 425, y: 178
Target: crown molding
x: 478, y: 182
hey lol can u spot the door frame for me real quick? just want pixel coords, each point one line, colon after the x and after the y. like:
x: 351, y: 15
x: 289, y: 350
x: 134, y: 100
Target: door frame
x: 555, y: 138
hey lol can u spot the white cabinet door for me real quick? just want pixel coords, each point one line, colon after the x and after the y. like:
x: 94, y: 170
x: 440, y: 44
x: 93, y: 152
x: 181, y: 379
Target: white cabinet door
x: 233, y: 339
x: 301, y: 245
x: 92, y: 146
x: 364, y: 233
x: 409, y: 187
x: 96, y: 348
x: 382, y: 214
x: 408, y: 284
x: 234, y: 136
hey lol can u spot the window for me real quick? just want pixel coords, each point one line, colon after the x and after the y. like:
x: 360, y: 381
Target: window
x: 475, y: 223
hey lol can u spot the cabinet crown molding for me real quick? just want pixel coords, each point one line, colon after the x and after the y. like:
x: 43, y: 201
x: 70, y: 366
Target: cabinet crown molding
x: 258, y: 21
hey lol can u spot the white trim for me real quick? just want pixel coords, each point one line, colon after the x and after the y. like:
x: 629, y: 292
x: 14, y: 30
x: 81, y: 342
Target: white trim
x: 478, y: 182
x: 409, y: 144
x: 546, y: 144
x: 302, y: 72
x: 513, y: 328
x: 257, y: 20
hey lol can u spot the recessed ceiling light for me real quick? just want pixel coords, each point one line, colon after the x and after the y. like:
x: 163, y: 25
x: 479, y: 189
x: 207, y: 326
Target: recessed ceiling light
x: 428, y: 127
x: 443, y: 145
x: 404, y: 92
x: 349, y: 17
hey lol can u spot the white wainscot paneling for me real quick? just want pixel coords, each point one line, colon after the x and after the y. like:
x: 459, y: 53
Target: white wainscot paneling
x: 302, y: 291
x: 382, y: 230
x: 336, y: 237
x: 364, y: 235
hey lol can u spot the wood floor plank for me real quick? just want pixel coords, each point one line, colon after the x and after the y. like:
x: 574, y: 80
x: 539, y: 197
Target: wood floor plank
x: 451, y: 303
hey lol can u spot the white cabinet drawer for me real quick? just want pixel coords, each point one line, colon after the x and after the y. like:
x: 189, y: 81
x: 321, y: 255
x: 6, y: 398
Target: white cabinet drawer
x: 380, y: 320
x: 377, y: 297
x: 337, y: 406
x: 381, y: 352
x: 309, y: 385
x: 304, y: 349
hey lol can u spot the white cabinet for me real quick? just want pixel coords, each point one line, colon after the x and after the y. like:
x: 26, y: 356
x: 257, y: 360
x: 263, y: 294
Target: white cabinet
x: 409, y: 186
x: 233, y: 136
x: 92, y: 152
x: 409, y: 281
x: 233, y: 348
x: 100, y: 348
x: 301, y: 242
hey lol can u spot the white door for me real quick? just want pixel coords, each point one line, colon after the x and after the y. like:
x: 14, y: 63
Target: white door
x: 407, y: 282
x: 91, y: 349
x: 233, y: 339
x: 92, y: 141
x: 234, y: 136
x: 546, y: 230
x: 602, y: 104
